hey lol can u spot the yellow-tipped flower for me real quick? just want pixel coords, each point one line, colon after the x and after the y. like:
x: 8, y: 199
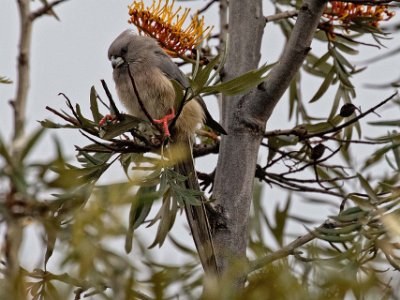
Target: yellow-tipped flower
x: 166, y: 25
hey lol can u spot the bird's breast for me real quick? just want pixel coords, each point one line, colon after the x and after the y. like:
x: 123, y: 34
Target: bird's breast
x: 155, y: 91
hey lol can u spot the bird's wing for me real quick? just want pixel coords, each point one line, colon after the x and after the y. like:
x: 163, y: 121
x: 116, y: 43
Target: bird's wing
x: 170, y: 69
x: 197, y: 214
x: 209, y: 121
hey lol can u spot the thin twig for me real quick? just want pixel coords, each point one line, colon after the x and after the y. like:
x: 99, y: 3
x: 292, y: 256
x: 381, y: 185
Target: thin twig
x: 141, y: 104
x: 298, y: 131
x: 110, y: 99
x: 66, y: 118
x: 44, y: 9
x: 281, y: 15
x: 207, y: 6
x: 205, y: 149
x: 360, y: 116
x: 284, y: 251
x: 300, y: 188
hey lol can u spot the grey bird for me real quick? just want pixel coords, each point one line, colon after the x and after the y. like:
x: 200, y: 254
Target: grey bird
x: 152, y: 69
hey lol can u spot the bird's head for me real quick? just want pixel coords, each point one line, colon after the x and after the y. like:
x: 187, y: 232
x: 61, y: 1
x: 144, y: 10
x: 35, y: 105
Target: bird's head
x: 129, y: 48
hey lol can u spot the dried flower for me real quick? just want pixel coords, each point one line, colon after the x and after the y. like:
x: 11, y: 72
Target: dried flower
x: 166, y: 25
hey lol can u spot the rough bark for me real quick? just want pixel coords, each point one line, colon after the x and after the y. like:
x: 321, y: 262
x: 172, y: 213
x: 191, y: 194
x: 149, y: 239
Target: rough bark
x: 245, y: 117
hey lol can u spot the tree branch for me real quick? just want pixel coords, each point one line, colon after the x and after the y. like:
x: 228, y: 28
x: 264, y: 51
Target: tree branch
x: 46, y: 8
x: 245, y: 116
x: 284, y: 251
x: 281, y: 15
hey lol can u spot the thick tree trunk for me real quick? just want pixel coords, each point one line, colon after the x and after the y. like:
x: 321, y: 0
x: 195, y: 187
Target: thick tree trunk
x: 245, y: 117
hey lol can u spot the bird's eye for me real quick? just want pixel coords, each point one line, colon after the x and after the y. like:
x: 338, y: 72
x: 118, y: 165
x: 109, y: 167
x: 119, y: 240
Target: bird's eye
x: 124, y: 50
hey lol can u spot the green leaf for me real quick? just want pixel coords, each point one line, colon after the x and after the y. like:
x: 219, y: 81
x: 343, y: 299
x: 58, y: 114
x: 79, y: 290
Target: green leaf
x: 5, y: 80
x: 94, y: 108
x: 353, y: 217
x: 336, y: 101
x: 179, y: 94
x: 140, y: 209
x: 203, y: 74
x: 346, y: 48
x: 324, y: 86
x: 368, y: 189
x: 50, y: 124
x: 276, y: 142
x: 166, y: 215
x: 86, y: 123
x: 395, y: 123
x: 240, y: 84
x: 335, y: 238
x: 32, y: 141
x: 4, y: 152
x: 126, y: 124
x: 337, y: 231
x: 324, y: 126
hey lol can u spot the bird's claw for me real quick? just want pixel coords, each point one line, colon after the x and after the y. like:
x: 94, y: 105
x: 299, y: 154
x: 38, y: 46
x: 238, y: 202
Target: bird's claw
x: 164, y: 122
x: 107, y: 119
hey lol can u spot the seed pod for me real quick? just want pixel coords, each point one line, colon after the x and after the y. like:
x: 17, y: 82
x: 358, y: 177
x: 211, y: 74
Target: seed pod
x: 347, y: 110
x: 317, y: 151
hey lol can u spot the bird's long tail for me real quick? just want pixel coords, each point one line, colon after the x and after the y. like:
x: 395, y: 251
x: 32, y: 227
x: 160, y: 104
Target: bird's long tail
x: 197, y: 214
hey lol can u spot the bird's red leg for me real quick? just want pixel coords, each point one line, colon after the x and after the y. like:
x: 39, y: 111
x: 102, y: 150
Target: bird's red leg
x: 106, y: 119
x: 164, y: 122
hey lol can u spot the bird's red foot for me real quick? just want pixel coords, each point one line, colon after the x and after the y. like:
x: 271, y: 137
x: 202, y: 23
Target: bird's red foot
x: 164, y: 122
x: 106, y: 120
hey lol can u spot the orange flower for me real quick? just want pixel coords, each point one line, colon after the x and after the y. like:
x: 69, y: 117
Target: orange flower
x: 166, y: 25
x: 346, y: 12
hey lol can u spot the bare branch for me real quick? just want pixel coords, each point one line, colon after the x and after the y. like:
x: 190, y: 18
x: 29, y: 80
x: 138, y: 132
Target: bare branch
x: 282, y: 15
x: 300, y: 131
x: 284, y: 251
x: 360, y: 116
x: 45, y: 9
x: 205, y: 149
x: 207, y: 6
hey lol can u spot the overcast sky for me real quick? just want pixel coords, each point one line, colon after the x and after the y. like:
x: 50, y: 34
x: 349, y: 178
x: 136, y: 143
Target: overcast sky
x: 70, y: 56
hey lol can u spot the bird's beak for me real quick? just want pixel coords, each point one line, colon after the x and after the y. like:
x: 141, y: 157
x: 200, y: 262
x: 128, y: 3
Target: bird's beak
x: 116, y: 61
